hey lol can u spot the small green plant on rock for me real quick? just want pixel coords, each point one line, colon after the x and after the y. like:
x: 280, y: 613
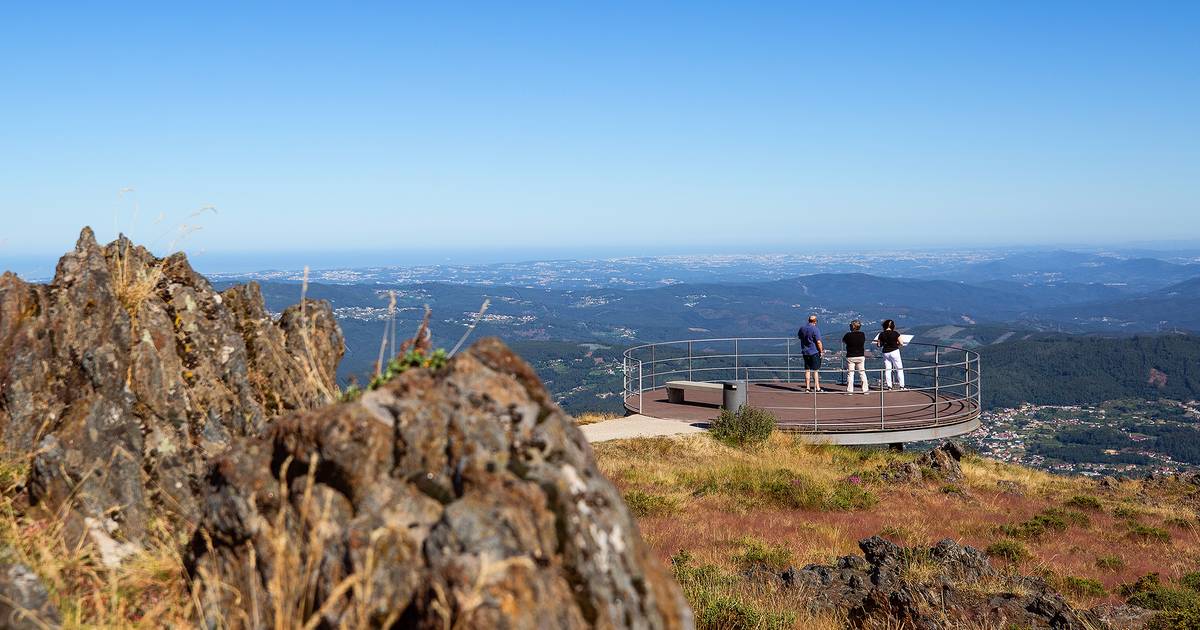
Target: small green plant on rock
x: 747, y: 426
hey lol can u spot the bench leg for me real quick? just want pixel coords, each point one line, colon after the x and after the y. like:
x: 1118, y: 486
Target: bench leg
x: 674, y: 395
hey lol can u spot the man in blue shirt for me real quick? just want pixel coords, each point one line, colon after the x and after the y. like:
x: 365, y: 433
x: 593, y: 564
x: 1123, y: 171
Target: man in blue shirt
x: 811, y: 349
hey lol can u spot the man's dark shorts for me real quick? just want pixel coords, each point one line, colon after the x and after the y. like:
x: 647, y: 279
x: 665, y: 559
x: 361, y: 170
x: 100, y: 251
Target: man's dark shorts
x: 812, y: 361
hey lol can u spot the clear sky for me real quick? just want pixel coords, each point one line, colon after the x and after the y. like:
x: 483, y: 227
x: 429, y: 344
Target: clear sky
x: 337, y: 127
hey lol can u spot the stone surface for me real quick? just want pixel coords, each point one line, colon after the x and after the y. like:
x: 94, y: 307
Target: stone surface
x: 24, y: 602
x: 125, y: 374
x: 946, y: 586
x: 460, y: 497
x: 941, y: 463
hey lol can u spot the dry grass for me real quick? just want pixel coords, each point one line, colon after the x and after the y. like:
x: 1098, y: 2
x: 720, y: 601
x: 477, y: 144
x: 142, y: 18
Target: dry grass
x: 592, y: 417
x: 709, y: 525
x: 148, y: 590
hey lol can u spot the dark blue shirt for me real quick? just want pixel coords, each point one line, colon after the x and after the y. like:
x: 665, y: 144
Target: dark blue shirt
x: 809, y: 336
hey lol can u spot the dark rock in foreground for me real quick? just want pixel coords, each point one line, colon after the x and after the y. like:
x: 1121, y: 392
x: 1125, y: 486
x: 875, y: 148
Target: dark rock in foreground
x: 446, y: 498
x: 127, y: 373
x: 946, y: 586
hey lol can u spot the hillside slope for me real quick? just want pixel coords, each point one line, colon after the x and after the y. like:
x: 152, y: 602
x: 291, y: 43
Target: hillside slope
x: 1089, y: 370
x: 783, y: 535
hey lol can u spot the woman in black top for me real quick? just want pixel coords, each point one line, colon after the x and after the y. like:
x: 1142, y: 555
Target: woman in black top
x: 855, y: 342
x: 890, y: 343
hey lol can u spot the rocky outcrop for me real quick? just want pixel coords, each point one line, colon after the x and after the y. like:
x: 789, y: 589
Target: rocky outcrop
x: 452, y: 497
x: 941, y: 463
x: 127, y: 373
x: 946, y: 586
x: 24, y: 602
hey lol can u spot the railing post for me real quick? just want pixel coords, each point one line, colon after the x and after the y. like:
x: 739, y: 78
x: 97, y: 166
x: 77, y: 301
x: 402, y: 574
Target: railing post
x: 937, y: 397
x: 789, y: 360
x: 736, y: 363
x: 640, y: 389
x: 814, y: 410
x: 690, y: 361
x: 653, y: 369
x: 882, y: 393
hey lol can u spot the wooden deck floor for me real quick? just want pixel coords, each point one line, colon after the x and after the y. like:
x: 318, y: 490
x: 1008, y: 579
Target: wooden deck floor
x: 831, y: 411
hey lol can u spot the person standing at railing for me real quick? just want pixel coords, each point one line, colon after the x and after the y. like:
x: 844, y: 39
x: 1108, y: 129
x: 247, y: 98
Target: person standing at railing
x: 889, y: 343
x: 811, y: 349
x: 855, y: 342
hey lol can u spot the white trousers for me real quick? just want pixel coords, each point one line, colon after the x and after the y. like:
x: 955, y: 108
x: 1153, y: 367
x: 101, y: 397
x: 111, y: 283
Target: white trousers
x: 856, y: 364
x: 892, y: 360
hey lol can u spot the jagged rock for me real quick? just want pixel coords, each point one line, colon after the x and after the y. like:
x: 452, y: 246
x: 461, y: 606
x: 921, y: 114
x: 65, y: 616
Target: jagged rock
x: 24, y: 602
x: 943, y: 461
x: 447, y: 498
x: 125, y: 374
x: 902, y: 472
x: 880, y: 588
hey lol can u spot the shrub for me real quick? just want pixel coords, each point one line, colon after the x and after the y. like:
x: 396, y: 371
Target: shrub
x: 1083, y: 587
x: 1053, y: 519
x: 1124, y: 511
x: 1009, y: 550
x: 755, y: 551
x: 1191, y: 581
x: 647, y: 504
x: 1150, y: 593
x: 847, y: 497
x: 1110, y: 563
x: 747, y: 426
x: 1146, y: 533
x: 1083, y: 502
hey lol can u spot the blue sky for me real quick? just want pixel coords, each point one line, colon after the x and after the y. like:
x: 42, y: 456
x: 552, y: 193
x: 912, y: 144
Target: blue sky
x: 597, y: 127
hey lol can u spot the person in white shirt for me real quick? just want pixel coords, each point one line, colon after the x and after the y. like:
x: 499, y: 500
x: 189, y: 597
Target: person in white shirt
x: 889, y: 343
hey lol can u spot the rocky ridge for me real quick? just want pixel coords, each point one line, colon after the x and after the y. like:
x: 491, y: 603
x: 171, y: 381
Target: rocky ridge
x: 125, y: 374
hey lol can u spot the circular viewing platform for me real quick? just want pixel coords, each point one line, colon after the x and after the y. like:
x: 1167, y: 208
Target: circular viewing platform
x: 940, y: 398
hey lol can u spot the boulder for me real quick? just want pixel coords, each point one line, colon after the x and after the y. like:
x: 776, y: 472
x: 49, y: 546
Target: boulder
x: 126, y: 373
x: 942, y: 461
x: 879, y: 588
x: 451, y: 497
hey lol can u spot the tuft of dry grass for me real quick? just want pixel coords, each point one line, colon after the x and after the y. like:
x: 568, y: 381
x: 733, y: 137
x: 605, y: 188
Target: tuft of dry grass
x: 148, y: 590
x: 592, y: 417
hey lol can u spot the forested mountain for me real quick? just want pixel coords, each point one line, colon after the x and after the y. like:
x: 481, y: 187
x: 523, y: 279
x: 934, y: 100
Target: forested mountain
x: 1175, y: 307
x: 1088, y: 370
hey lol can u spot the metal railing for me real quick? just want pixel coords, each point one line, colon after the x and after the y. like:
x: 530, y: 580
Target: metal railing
x: 946, y: 376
